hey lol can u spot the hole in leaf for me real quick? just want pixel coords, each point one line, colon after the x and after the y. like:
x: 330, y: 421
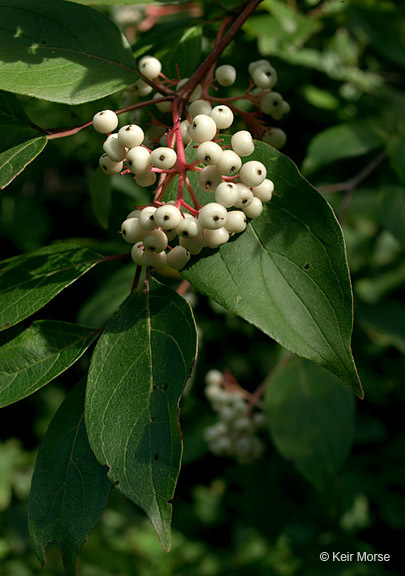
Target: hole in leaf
x: 165, y: 385
x: 153, y: 419
x: 307, y: 266
x: 155, y: 457
x: 153, y: 388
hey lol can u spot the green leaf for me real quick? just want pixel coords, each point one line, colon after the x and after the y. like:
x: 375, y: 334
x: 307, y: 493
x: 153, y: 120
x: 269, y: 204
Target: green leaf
x: 62, y: 52
x: 287, y: 273
x: 311, y: 419
x: 100, y: 194
x: 137, y: 374
x: 30, y: 281
x: 69, y: 487
x: 184, y: 53
x: 14, y: 160
x: 396, y: 153
x: 104, y: 301
x: 38, y: 355
x: 384, y: 25
x: 393, y: 210
x: 340, y: 142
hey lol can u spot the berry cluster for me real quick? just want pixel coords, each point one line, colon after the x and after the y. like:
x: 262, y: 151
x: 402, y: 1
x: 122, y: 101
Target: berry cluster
x: 238, y: 187
x: 235, y: 434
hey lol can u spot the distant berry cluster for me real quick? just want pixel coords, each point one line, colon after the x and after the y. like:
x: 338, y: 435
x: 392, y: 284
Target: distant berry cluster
x: 236, y: 433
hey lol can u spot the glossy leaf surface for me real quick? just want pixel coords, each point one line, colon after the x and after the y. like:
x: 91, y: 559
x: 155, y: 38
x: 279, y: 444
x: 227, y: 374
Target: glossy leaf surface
x: 62, y: 52
x: 311, y: 419
x: 30, y: 281
x: 137, y: 374
x: 14, y: 160
x: 39, y: 354
x: 287, y: 273
x: 69, y: 487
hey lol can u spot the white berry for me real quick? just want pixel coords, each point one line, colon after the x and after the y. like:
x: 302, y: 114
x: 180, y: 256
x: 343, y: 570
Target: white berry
x: 131, y: 135
x: 147, y: 218
x: 254, y: 209
x: 275, y: 137
x: 196, y: 93
x: 229, y: 163
x: 264, y: 191
x: 132, y: 231
x: 155, y: 241
x: 167, y: 217
x: 227, y: 194
x: 178, y: 257
x: 164, y: 106
x: 115, y: 150
x: 137, y: 253
x: 203, y: 128
x: 145, y: 179
x: 209, y: 178
x: 105, y: 121
x: 215, y: 238
x: 235, y: 222
x: 225, y: 75
x: 265, y: 76
x: 150, y: 67
x: 109, y: 166
x: 209, y: 153
x: 163, y: 157
x: 271, y: 103
x: 138, y: 159
x: 185, y: 136
x: 253, y: 173
x: 193, y: 245
x: 189, y: 227
x: 245, y: 196
x: 212, y: 216
x: 242, y: 143
x: 255, y: 64
x: 222, y: 116
x: 142, y: 88
x: 157, y: 260
x: 199, y: 107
